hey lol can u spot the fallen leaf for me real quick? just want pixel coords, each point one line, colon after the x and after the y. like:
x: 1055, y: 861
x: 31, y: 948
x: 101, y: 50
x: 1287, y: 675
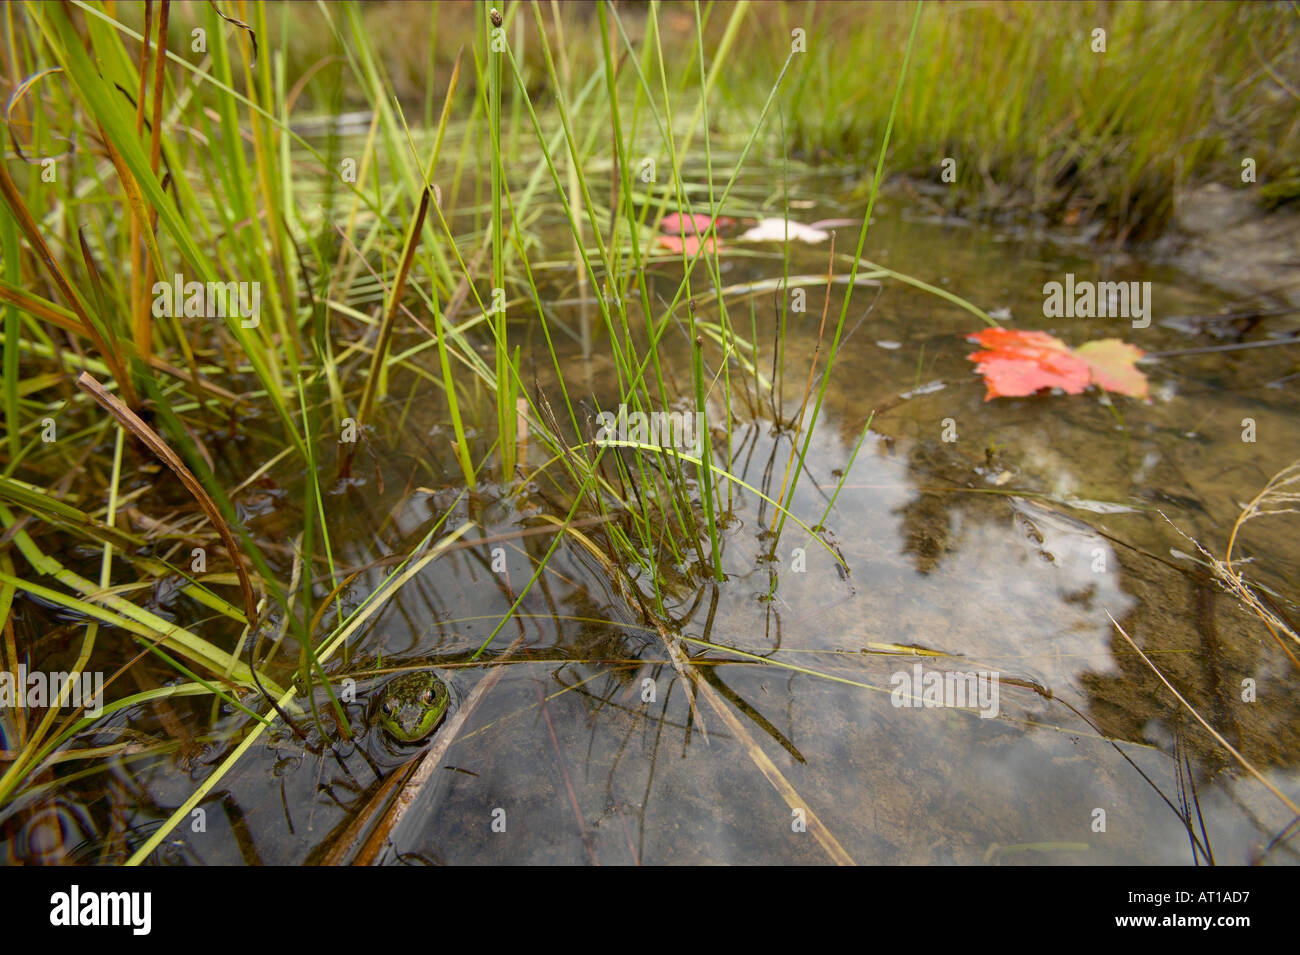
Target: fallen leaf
x: 677, y: 224
x: 1016, y: 363
x: 1113, y: 366
x: 777, y: 230
x: 1016, y: 339
x: 1016, y: 377
x: 690, y: 243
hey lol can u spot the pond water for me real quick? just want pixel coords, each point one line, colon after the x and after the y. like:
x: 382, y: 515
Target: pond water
x: 1001, y: 551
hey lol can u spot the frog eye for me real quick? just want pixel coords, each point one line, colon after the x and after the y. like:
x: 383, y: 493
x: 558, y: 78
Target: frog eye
x: 390, y: 706
x: 426, y: 696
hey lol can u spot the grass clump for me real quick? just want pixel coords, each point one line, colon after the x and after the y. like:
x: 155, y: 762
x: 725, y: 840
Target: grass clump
x: 1037, y: 117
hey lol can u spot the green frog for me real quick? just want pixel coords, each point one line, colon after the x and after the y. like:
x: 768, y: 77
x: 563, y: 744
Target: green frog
x: 412, y: 706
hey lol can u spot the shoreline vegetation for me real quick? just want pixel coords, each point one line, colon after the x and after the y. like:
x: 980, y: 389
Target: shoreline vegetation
x: 1039, y: 123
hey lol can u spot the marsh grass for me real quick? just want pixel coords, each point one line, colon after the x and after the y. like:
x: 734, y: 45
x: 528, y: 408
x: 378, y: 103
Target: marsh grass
x: 203, y: 176
x: 1037, y: 121
x: 380, y: 290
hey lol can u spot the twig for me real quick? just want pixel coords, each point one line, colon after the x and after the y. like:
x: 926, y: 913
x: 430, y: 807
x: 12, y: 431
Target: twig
x: 1212, y: 731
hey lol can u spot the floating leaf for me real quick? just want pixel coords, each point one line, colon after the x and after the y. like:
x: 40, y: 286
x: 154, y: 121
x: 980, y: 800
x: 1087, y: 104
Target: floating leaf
x: 778, y: 230
x: 690, y: 243
x: 1016, y: 363
x: 677, y: 224
x: 1113, y: 366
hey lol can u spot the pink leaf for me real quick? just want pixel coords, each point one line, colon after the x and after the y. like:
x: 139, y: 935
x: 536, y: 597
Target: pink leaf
x: 677, y: 224
x: 690, y: 243
x: 1016, y: 363
x: 1019, y: 363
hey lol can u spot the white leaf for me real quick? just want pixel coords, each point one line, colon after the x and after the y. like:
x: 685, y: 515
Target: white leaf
x: 776, y: 230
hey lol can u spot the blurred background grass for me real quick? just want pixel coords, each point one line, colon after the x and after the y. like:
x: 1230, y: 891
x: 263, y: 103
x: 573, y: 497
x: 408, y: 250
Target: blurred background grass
x: 1036, y: 121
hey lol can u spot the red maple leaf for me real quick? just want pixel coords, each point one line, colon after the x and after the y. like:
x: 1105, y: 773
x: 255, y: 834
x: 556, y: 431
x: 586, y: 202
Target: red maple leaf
x: 677, y: 224
x: 691, y: 243
x: 1016, y: 363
